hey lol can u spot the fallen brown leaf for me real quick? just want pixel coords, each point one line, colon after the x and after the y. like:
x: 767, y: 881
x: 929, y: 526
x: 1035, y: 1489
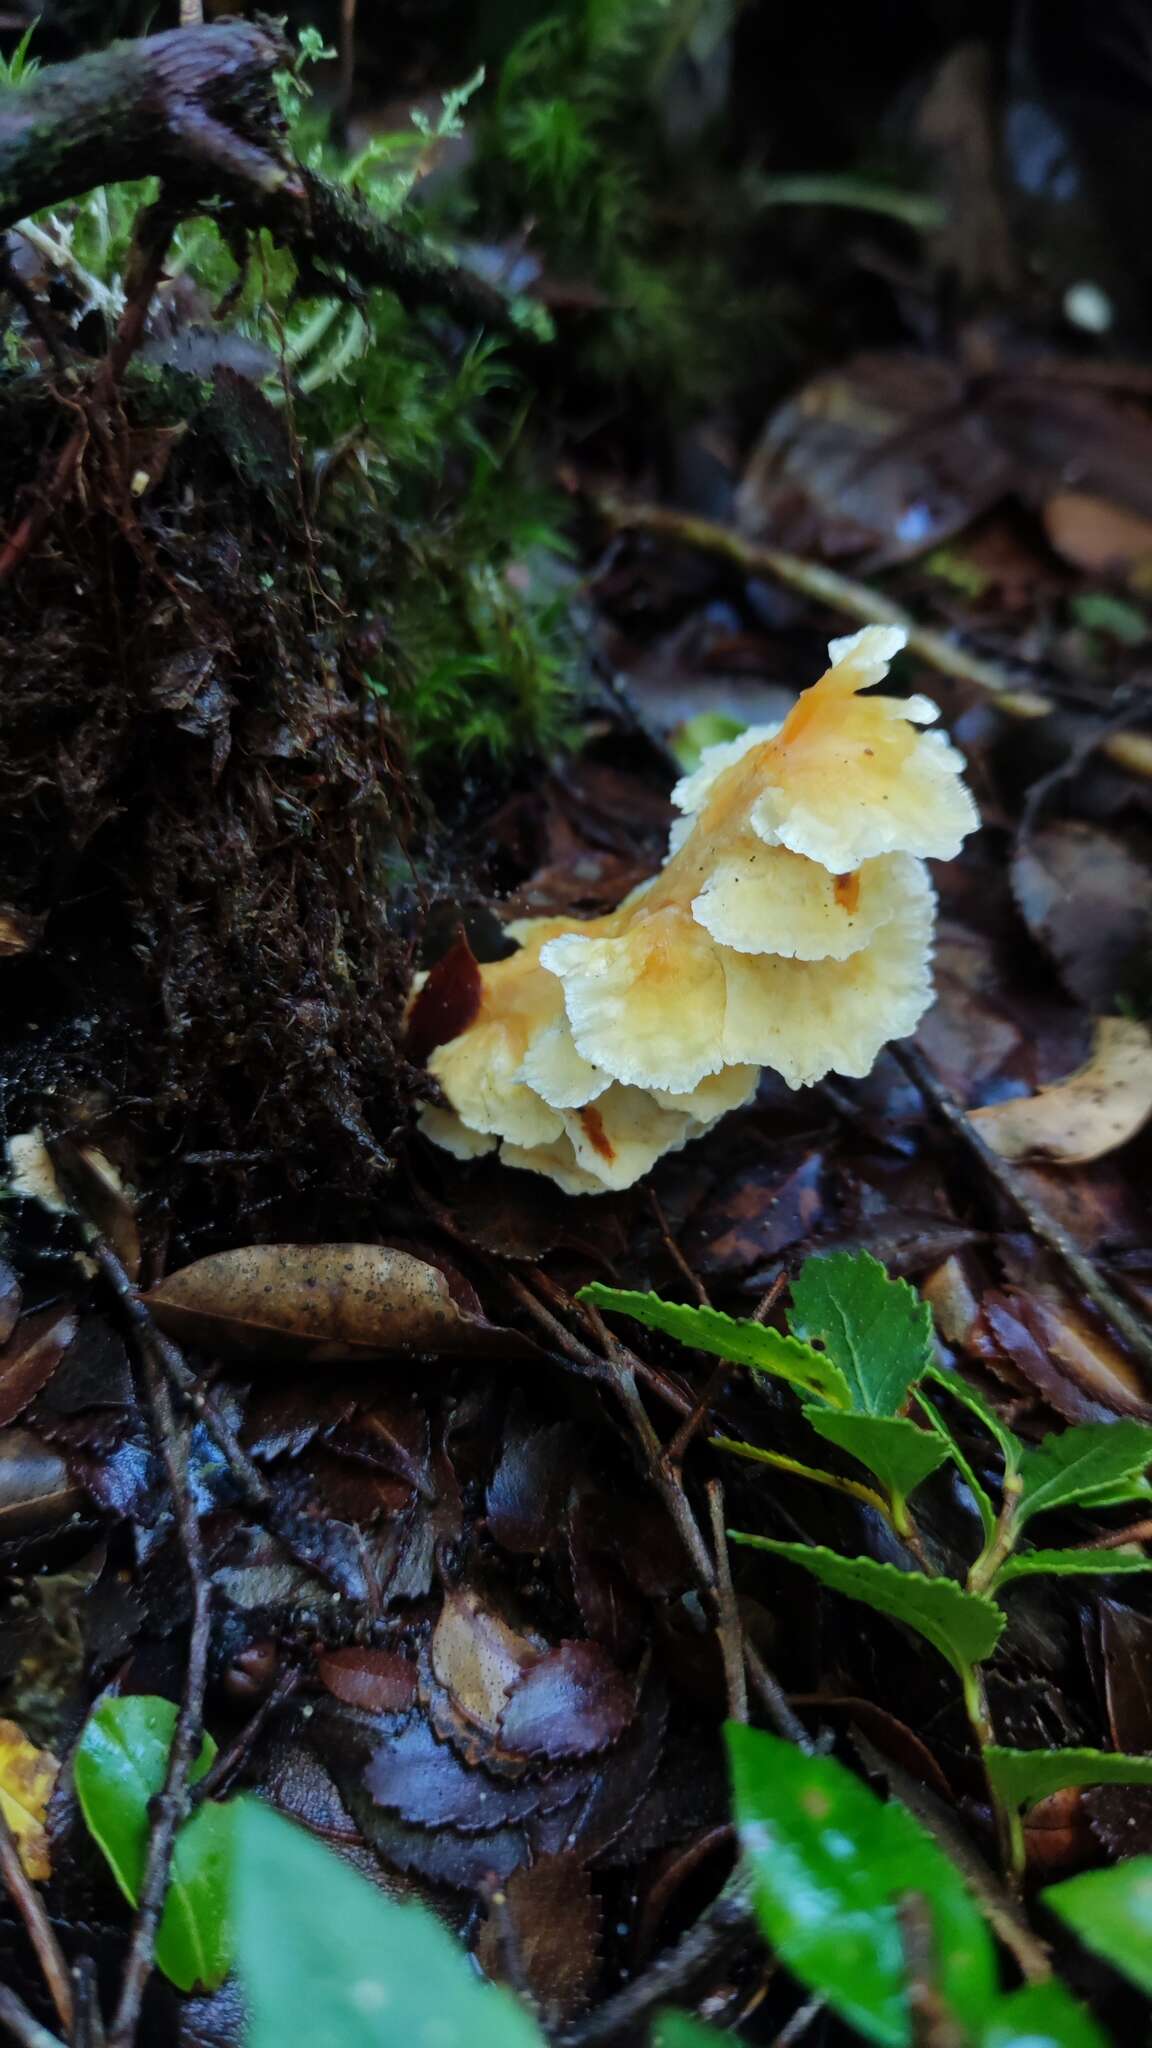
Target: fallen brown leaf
x: 312, y: 1303
x: 554, y: 1919
x: 31, y: 1356
x: 27, y: 1778
x: 1085, y: 894
x: 1093, y: 1112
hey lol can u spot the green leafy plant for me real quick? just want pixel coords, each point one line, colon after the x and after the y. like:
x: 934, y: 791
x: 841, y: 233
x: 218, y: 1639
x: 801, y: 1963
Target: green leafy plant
x: 20, y: 68
x: 1111, y: 1913
x: 120, y: 1767
x: 430, y: 517
x: 314, y: 1938
x: 859, y: 1352
x: 835, y: 1872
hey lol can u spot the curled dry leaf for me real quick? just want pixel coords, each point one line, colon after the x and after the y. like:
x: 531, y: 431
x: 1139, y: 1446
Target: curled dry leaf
x: 1093, y: 1112
x: 313, y: 1303
x: 27, y: 1778
x: 478, y: 1658
x: 31, y: 1356
x: 18, y: 932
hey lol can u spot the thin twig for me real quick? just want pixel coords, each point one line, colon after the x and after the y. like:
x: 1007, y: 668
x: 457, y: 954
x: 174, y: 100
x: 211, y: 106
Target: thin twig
x: 674, y: 1451
x: 41, y: 1933
x: 729, y: 1630
x: 1077, y: 1264
x: 171, y: 1805
x: 1131, y: 750
x: 665, y: 1481
x: 88, y: 2027
x: 774, y: 1701
x: 170, y: 1808
x: 571, y: 1346
x: 1115, y: 1539
x: 22, y: 2025
x: 1000, y: 1909
x: 727, y: 1919
x: 799, y: 2024
x: 619, y: 1367
x: 231, y: 1761
x: 691, y: 1278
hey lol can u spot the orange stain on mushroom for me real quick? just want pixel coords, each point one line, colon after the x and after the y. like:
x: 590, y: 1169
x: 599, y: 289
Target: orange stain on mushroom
x: 592, y: 1124
x: 846, y: 889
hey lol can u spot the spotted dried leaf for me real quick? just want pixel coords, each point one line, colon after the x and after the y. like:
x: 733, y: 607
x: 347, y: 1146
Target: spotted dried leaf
x: 478, y: 1658
x: 27, y: 1778
x: 1096, y: 1110
x: 312, y: 1304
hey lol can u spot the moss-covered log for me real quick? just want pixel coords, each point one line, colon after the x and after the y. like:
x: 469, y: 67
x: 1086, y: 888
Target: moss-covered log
x: 198, y: 108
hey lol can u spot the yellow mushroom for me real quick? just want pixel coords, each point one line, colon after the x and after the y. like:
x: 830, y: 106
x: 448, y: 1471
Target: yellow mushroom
x: 789, y: 927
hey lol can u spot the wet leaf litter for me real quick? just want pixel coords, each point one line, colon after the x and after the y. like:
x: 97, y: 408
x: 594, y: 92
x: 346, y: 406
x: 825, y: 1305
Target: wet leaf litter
x: 407, y: 1474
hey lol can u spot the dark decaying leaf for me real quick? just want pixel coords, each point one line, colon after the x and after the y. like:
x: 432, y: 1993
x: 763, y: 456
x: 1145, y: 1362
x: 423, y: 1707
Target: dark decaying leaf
x: 380, y: 1681
x: 10, y: 1299
x: 316, y: 1303
x: 1066, y: 1355
x: 31, y: 1356
x: 1085, y: 894
x: 548, y: 1920
x: 19, y: 933
x: 759, y: 1213
x: 37, y: 1489
x: 448, y: 1001
x: 428, y: 1786
x: 886, y: 453
x: 572, y: 1703
x: 529, y: 1489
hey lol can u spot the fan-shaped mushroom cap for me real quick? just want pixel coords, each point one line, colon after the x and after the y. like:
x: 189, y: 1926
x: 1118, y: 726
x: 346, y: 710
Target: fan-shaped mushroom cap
x: 790, y: 927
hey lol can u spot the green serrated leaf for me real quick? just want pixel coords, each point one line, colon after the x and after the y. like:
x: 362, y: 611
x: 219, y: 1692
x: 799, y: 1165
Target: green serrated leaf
x: 829, y: 1862
x: 745, y: 1343
x: 964, y: 1627
x: 324, y: 1957
x: 1010, y: 1445
x: 1023, y: 1776
x: 1066, y: 1564
x: 1041, y: 2016
x: 1111, y: 1912
x: 897, y: 1452
x: 1081, y: 1464
x: 119, y: 1769
x: 876, y: 1330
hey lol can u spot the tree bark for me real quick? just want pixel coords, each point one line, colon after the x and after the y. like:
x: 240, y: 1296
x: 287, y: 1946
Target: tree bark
x: 197, y: 108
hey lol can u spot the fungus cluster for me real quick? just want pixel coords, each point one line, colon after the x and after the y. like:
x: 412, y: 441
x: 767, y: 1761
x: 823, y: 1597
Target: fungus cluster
x: 790, y: 927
